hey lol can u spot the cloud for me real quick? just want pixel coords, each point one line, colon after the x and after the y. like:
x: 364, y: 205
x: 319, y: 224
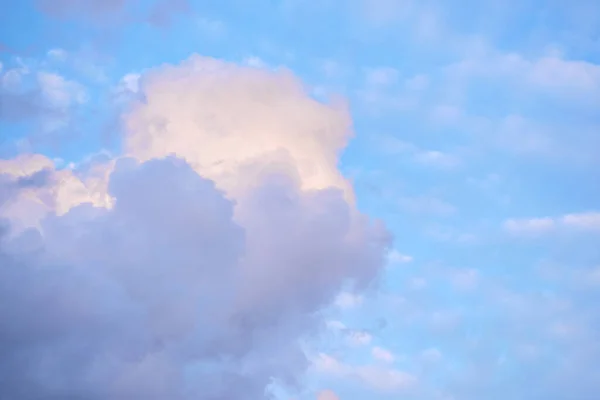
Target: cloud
x: 11, y: 186
x: 255, y: 62
x: 333, y: 69
x: 382, y: 354
x: 348, y: 300
x: 425, y: 157
x: 384, y: 12
x: 336, y: 325
x: 426, y: 205
x: 231, y: 124
x: 550, y: 74
x: 383, y: 379
x: 380, y: 92
x: 465, y: 279
x: 211, y: 27
x: 63, y: 190
x: 529, y: 226
x: 327, y: 395
x: 502, y: 333
x: 381, y: 76
x: 59, y: 92
x: 21, y: 106
x: 396, y: 257
x: 431, y: 355
x: 437, y: 159
x: 586, y: 221
x: 446, y: 114
x: 191, y: 275
x: 359, y: 338
x: 88, y: 8
x: 127, y: 89
x: 28, y: 94
x: 58, y: 55
x: 161, y: 12
x: 164, y: 11
x: 85, y: 63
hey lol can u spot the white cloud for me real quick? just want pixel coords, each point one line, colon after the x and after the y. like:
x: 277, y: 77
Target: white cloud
x: 332, y: 69
x: 255, y: 62
x: 431, y: 355
x: 376, y: 100
x: 382, y: 354
x: 60, y: 92
x: 234, y: 124
x: 523, y: 136
x: 465, y: 279
x: 450, y: 234
x: 57, y: 55
x: 28, y: 93
x: 359, y: 338
x: 12, y: 77
x: 425, y: 157
x: 348, y: 300
x: 530, y: 226
x: 550, y: 73
x: 385, y: 379
x: 130, y: 82
x: 426, y: 205
x: 327, y: 395
x: 85, y: 63
x: 437, y: 159
x: 63, y: 190
x: 446, y: 114
x: 327, y: 364
x: 586, y: 221
x: 381, y: 76
x: 204, y: 270
x: 377, y: 377
x: 336, y: 325
x: 127, y: 88
x: 396, y: 257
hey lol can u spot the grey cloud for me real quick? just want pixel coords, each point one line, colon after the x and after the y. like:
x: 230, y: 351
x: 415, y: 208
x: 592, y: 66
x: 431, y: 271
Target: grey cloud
x: 15, y: 106
x: 68, y: 8
x: 164, y: 11
x: 168, y: 295
x: 161, y: 12
x: 10, y: 187
x: 36, y: 180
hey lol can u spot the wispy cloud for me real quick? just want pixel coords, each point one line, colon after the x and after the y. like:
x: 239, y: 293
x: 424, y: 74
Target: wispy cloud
x: 586, y: 221
x: 390, y: 145
x: 378, y: 377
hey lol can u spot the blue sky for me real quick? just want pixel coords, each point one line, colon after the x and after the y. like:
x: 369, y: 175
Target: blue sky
x: 476, y: 141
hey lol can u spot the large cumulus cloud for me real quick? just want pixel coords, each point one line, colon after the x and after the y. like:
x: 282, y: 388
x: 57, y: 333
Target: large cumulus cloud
x: 191, y: 267
x: 229, y: 121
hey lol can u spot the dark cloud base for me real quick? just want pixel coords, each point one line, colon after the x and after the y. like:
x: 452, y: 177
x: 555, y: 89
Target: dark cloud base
x: 166, y: 296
